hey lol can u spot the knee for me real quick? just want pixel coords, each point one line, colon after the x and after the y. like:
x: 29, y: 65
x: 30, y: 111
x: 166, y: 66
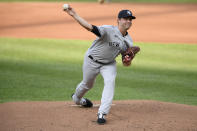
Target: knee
x: 110, y: 82
x: 87, y: 85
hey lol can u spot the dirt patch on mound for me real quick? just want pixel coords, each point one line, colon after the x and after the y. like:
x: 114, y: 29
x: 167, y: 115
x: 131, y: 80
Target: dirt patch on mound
x: 124, y: 116
x: 154, y: 23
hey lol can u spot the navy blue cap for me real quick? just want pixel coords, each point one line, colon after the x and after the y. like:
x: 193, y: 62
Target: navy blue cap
x: 125, y: 14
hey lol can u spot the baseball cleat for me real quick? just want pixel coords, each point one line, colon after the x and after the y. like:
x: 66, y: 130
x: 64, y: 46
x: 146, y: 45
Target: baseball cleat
x: 101, y: 118
x: 84, y: 102
x: 87, y: 103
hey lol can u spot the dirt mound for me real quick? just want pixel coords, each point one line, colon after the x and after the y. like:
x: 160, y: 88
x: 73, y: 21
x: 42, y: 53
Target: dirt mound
x: 154, y: 23
x: 124, y: 116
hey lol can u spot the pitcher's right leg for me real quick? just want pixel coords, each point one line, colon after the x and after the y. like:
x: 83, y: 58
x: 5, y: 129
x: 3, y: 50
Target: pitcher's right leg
x: 90, y: 71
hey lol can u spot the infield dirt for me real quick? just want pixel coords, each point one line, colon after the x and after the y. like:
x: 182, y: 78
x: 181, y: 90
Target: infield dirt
x: 124, y: 116
x: 175, y: 23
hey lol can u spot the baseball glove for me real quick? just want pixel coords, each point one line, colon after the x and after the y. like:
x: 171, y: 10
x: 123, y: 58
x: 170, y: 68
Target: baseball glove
x: 129, y: 54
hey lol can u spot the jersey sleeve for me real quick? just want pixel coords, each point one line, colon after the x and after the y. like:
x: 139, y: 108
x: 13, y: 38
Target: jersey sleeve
x: 96, y: 31
x: 100, y: 30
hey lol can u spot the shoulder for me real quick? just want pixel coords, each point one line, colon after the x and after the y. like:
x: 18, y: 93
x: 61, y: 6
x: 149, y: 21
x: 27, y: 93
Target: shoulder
x: 129, y: 40
x: 129, y: 37
x: 108, y: 27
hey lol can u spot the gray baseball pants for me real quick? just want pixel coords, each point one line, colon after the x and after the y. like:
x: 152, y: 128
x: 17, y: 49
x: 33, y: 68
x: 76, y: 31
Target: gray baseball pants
x: 90, y: 70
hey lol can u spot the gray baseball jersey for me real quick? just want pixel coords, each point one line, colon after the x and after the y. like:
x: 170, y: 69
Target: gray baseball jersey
x: 100, y: 58
x: 110, y: 44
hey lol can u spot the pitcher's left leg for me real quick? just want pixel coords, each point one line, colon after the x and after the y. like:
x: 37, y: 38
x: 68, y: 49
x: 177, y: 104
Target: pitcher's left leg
x: 108, y: 73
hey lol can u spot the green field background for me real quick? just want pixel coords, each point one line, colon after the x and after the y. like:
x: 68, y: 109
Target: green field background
x: 50, y: 69
x: 144, y: 1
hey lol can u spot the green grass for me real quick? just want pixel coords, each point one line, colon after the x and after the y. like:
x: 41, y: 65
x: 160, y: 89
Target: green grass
x: 49, y: 70
x: 143, y: 1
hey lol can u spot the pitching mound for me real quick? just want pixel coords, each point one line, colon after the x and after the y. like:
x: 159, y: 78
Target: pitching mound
x: 124, y: 116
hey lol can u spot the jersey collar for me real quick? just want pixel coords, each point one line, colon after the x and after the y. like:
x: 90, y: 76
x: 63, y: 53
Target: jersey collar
x: 120, y: 32
x: 126, y: 34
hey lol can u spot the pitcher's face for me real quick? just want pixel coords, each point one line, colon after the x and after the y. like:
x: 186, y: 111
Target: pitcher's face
x: 125, y: 23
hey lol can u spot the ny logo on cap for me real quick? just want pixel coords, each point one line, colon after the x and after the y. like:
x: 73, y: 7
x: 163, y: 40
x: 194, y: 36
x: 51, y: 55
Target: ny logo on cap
x: 128, y: 12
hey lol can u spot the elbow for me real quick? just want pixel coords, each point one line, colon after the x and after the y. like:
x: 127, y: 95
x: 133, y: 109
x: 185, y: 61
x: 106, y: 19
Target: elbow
x: 89, y: 27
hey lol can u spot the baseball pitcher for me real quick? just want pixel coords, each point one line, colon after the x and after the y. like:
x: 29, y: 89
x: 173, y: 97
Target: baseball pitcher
x: 100, y: 58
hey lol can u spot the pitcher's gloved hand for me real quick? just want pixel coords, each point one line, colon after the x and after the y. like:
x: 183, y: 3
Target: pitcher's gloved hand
x: 129, y: 54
